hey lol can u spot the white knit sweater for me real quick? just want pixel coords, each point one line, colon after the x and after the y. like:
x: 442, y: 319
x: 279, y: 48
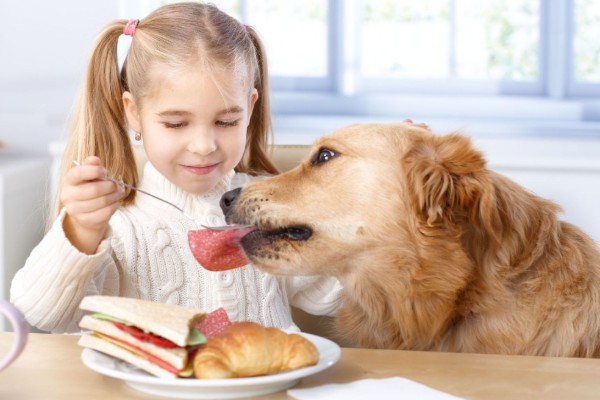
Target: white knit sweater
x: 146, y: 255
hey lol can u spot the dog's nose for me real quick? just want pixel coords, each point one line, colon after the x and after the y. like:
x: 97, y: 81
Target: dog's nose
x: 228, y: 200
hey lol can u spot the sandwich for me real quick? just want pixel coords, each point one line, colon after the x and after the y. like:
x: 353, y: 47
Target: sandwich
x: 157, y: 338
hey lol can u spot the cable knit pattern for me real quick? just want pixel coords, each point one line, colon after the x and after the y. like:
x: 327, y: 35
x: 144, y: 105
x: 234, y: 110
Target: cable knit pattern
x: 146, y: 255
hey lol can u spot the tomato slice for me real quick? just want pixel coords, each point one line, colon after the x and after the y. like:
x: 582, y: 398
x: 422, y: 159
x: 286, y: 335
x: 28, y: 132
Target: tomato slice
x: 145, y: 337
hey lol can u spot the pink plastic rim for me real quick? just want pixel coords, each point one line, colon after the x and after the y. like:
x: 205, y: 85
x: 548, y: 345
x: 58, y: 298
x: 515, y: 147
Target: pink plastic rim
x: 21, y: 329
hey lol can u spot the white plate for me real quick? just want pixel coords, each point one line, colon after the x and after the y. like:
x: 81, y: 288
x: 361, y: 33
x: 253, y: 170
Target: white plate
x: 329, y: 354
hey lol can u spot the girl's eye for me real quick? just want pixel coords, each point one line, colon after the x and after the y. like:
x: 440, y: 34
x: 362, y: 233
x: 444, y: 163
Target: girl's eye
x: 227, y: 124
x: 177, y: 125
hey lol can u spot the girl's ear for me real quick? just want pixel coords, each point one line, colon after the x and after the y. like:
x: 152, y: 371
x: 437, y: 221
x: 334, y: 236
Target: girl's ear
x: 132, y: 112
x: 251, y: 102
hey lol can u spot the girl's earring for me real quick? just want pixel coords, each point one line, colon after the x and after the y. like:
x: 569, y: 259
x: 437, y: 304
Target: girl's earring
x: 138, y: 136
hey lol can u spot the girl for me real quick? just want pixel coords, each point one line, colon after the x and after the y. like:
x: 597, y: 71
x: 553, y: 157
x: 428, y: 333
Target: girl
x: 194, y: 87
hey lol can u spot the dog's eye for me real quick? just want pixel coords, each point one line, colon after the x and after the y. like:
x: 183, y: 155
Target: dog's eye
x: 323, y: 155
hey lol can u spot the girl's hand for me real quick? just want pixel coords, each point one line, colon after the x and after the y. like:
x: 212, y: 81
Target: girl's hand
x: 420, y: 125
x: 90, y: 201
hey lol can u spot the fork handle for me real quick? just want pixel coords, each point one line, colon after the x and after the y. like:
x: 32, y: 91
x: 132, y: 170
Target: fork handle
x: 121, y: 183
x: 128, y: 186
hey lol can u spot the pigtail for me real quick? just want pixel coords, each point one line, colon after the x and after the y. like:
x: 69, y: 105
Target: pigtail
x: 99, y: 124
x: 260, y: 128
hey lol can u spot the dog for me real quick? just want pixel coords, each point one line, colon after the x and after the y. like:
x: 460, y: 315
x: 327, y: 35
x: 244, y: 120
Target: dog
x: 435, y: 251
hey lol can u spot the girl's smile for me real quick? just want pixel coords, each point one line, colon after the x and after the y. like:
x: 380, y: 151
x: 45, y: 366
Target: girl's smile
x: 201, y: 169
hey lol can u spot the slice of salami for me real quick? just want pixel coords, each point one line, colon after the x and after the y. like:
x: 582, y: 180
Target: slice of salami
x: 218, y: 250
x: 214, y: 323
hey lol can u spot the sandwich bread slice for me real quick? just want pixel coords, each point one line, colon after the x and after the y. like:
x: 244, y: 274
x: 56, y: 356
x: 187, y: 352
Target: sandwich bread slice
x: 157, y: 338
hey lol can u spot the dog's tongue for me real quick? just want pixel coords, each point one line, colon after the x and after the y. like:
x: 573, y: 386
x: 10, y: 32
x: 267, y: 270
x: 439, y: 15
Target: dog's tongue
x: 218, y: 250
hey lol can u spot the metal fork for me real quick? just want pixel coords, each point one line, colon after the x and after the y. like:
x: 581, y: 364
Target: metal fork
x: 121, y: 183
x: 225, y: 227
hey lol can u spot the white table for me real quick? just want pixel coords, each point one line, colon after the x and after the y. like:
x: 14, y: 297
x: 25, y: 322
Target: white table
x: 50, y: 368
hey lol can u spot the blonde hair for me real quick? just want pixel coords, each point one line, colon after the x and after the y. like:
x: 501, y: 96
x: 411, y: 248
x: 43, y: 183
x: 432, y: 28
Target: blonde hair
x: 175, y: 35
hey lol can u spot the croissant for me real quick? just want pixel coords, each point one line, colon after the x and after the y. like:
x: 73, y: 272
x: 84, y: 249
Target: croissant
x: 250, y: 349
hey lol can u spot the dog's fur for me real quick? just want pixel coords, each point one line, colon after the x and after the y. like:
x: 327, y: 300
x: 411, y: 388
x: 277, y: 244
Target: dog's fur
x: 435, y: 251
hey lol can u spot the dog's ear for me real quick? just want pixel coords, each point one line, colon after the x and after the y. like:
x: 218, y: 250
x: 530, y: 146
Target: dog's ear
x: 450, y: 183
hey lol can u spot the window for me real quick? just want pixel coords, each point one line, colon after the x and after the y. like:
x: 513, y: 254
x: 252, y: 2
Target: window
x: 466, y: 46
x: 355, y: 56
x: 586, y: 48
x: 295, y: 32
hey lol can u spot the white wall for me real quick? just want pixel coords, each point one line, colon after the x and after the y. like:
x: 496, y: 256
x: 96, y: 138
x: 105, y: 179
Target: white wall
x: 43, y: 50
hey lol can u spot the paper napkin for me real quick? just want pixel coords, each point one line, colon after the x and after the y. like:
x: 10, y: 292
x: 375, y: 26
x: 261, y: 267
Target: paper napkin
x: 381, y: 389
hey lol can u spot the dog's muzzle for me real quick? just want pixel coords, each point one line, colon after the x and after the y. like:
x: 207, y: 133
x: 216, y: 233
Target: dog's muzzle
x: 297, y: 232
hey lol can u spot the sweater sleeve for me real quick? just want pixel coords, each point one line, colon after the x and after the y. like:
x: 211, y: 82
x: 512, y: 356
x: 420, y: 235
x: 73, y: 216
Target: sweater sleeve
x: 317, y: 295
x: 56, y: 277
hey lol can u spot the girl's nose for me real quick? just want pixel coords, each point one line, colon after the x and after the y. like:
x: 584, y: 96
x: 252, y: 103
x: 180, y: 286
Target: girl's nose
x: 203, y: 142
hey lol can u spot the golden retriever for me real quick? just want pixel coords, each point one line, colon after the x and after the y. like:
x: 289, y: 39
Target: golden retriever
x: 435, y: 251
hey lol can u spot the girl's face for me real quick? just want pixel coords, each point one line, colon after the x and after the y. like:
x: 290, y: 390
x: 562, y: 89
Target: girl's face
x: 193, y: 125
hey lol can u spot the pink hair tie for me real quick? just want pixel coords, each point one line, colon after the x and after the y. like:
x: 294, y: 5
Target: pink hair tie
x: 131, y: 26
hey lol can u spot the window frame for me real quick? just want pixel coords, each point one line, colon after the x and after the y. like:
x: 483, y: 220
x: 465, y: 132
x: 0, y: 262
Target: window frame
x: 555, y: 81
x: 304, y: 83
x: 342, y: 92
x: 455, y: 86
